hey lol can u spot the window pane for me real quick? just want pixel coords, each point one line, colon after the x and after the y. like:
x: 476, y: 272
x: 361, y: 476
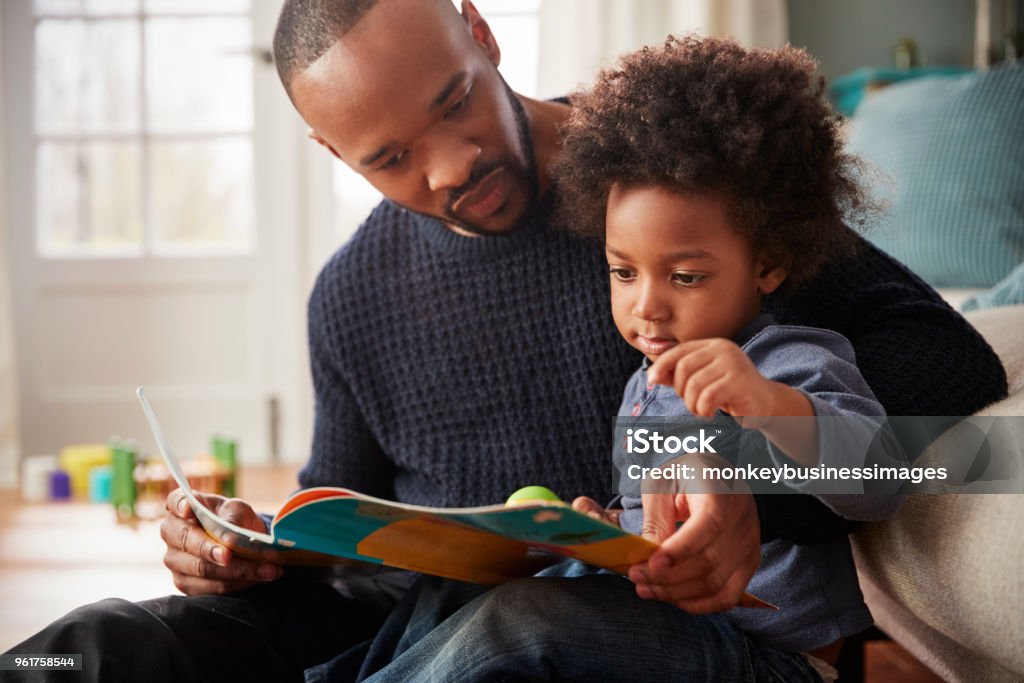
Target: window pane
x: 86, y: 6
x: 201, y: 196
x: 492, y: 8
x: 515, y: 25
x: 87, y: 198
x: 196, y: 6
x: 519, y: 64
x: 206, y: 86
x: 354, y: 199
x: 87, y: 76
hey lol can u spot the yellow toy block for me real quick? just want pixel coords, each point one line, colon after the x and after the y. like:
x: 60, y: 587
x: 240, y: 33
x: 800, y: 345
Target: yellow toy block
x: 78, y: 460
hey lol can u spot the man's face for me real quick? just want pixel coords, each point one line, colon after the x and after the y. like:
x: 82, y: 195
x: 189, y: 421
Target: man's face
x: 411, y: 99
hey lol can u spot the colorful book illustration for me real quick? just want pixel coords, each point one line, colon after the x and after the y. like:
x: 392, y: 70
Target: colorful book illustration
x: 486, y: 545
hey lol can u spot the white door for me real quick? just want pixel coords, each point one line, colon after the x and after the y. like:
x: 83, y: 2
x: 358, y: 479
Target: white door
x: 153, y: 190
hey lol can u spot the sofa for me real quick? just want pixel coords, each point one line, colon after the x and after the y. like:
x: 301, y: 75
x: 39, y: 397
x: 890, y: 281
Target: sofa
x: 945, y: 576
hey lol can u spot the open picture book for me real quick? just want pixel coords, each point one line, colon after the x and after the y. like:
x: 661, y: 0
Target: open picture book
x: 486, y: 545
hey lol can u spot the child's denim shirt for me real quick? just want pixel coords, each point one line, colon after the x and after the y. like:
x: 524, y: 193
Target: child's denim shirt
x: 815, y: 586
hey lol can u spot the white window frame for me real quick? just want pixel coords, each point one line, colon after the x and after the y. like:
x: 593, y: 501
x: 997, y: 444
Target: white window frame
x: 145, y: 137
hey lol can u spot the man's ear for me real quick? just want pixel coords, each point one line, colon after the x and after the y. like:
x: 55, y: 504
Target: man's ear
x: 771, y: 273
x: 481, y: 31
x: 315, y: 137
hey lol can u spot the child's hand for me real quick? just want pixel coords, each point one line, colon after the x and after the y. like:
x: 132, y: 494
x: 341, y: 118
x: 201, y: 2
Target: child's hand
x: 592, y: 508
x: 714, y: 374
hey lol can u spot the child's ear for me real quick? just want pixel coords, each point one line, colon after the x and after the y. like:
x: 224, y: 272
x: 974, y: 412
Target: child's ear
x: 771, y: 273
x: 481, y: 31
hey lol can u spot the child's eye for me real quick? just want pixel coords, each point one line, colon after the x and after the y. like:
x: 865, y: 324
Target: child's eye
x: 393, y: 161
x: 687, y: 279
x: 622, y: 274
x: 455, y: 108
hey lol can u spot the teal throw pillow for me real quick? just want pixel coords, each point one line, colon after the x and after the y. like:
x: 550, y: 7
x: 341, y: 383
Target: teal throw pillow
x: 951, y: 154
x: 1009, y: 292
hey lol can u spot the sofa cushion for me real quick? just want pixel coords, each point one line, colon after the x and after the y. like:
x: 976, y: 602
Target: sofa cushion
x: 949, y: 151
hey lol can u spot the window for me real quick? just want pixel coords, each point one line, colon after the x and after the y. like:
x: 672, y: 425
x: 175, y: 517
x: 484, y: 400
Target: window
x: 516, y: 26
x: 143, y: 124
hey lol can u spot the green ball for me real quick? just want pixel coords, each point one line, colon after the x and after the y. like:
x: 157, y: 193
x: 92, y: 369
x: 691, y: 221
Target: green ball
x: 531, y: 493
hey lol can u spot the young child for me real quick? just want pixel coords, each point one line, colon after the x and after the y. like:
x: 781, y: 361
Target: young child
x: 716, y: 178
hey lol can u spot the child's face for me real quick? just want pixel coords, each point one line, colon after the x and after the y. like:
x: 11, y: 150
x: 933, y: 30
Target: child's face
x: 679, y: 271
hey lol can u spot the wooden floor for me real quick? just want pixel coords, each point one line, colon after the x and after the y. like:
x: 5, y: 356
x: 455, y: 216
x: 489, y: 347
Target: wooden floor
x: 55, y: 557
x: 887, y: 662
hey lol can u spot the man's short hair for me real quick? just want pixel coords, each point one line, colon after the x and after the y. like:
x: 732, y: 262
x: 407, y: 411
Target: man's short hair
x: 306, y: 29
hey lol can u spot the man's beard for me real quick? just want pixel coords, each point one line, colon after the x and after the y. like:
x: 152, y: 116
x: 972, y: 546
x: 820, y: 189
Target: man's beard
x: 522, y: 170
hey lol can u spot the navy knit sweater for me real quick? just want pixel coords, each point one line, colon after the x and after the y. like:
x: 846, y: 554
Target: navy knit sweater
x: 451, y: 370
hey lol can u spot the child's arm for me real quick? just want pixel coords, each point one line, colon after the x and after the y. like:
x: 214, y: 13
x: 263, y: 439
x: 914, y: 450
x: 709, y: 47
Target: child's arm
x: 715, y: 374
x: 837, y: 422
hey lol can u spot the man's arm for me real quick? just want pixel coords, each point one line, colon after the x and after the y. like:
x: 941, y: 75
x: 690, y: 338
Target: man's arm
x: 800, y: 518
x: 918, y: 355
x: 344, y: 452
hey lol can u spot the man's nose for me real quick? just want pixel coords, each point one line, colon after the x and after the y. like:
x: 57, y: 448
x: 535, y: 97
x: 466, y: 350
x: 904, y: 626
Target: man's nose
x: 649, y: 304
x: 451, y: 163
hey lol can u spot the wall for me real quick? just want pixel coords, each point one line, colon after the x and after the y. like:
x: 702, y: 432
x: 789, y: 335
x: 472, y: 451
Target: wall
x: 605, y: 29
x: 8, y: 371
x: 845, y: 35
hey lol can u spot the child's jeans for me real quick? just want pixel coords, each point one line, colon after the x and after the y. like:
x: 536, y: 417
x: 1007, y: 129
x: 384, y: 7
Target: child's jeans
x: 570, y: 623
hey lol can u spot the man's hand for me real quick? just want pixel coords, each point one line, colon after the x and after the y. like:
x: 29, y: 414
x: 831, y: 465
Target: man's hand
x: 706, y: 564
x: 199, y: 564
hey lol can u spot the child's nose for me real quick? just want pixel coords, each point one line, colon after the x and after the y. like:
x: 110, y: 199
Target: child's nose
x: 649, y: 305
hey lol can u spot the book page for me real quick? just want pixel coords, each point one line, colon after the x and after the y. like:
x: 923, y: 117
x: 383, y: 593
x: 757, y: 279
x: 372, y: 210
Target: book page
x: 219, y: 528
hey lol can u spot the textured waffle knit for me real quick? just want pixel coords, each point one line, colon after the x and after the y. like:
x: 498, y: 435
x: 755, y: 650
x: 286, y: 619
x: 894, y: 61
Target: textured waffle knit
x: 452, y: 370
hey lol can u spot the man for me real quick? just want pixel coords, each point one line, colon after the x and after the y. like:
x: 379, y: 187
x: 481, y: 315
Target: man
x: 461, y: 348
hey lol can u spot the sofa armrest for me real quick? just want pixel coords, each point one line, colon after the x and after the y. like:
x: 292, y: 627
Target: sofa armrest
x: 943, y: 577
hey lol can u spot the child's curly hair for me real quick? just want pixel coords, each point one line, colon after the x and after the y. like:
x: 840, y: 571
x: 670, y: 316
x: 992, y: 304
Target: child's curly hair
x: 706, y: 115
